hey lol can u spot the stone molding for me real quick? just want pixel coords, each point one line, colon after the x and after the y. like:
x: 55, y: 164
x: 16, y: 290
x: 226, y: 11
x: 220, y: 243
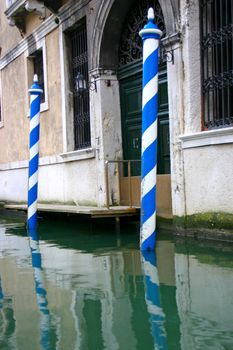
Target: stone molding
x: 14, y: 7
x: 101, y: 73
x: 172, y: 40
x: 207, y: 138
x: 52, y: 160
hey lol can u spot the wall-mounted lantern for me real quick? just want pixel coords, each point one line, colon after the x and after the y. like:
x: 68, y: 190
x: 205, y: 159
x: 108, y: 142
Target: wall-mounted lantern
x: 82, y: 85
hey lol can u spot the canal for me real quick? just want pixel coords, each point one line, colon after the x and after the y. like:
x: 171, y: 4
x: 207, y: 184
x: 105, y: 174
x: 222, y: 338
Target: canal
x: 85, y: 285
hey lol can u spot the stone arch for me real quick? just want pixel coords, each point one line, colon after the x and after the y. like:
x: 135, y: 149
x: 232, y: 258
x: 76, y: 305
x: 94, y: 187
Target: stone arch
x: 108, y: 26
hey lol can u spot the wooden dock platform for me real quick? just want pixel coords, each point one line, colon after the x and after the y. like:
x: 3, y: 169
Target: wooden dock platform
x: 94, y: 212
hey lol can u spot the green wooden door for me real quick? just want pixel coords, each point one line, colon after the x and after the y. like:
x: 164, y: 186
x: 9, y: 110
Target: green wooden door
x: 131, y: 104
x: 131, y: 114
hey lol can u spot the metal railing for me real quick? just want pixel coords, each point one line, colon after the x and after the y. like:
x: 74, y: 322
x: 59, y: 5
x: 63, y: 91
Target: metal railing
x: 118, y: 162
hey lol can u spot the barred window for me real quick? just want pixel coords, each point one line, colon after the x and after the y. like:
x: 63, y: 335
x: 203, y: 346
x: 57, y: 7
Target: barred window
x: 39, y: 70
x: 79, y: 65
x: 217, y: 62
x: 37, y: 64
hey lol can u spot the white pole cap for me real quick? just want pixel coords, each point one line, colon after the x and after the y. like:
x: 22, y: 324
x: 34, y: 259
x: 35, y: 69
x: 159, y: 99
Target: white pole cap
x: 35, y: 79
x: 151, y: 14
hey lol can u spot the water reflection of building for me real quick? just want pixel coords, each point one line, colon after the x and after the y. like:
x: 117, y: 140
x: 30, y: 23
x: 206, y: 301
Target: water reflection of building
x: 7, y: 322
x: 18, y: 283
x: 96, y: 300
x: 204, y: 297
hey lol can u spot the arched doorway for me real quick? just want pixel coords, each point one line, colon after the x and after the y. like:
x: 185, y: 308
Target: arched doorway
x: 130, y: 82
x: 130, y: 79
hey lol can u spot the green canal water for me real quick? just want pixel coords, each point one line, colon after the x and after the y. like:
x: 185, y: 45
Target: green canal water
x: 85, y: 285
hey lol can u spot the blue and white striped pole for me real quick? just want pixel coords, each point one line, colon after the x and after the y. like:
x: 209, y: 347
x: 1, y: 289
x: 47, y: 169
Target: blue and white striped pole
x: 1, y: 295
x: 35, y: 94
x: 150, y: 35
x: 152, y: 295
x: 40, y: 290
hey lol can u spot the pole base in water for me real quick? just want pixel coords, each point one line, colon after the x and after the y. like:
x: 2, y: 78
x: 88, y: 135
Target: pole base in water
x: 32, y: 222
x: 149, y: 243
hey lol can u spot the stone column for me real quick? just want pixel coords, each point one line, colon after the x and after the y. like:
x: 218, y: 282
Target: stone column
x: 106, y: 130
x: 176, y: 118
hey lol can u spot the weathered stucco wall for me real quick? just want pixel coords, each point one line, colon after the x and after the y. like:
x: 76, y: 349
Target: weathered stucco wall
x: 208, y: 179
x: 32, y: 21
x: 14, y: 133
x: 51, y: 120
x: 10, y: 36
x: 65, y: 182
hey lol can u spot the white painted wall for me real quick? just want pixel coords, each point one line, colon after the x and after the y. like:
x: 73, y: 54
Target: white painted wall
x: 13, y: 185
x: 208, y: 178
x: 71, y: 182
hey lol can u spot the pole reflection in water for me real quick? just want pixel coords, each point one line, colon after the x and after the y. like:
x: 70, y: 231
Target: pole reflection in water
x: 1, y: 294
x: 40, y: 290
x: 7, y: 322
x: 157, y: 317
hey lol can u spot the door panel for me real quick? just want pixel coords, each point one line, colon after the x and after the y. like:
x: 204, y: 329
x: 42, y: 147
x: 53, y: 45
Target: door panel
x: 131, y: 105
x: 163, y: 126
x: 131, y: 102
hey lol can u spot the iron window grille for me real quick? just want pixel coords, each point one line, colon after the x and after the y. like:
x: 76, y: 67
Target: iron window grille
x: 217, y: 62
x: 79, y: 63
x: 39, y: 70
x: 130, y: 48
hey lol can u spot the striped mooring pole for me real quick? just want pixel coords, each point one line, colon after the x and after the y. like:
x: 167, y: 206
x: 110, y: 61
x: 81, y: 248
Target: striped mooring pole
x: 150, y: 35
x: 41, y: 294
x: 152, y: 297
x: 35, y: 94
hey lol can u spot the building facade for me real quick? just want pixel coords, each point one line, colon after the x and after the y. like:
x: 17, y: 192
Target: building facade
x: 63, y: 41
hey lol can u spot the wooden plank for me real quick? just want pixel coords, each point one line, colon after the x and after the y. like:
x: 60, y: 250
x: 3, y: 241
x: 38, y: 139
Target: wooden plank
x: 164, y: 201
x: 93, y: 211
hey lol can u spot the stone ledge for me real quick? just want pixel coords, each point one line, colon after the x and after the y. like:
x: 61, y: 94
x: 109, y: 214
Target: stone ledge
x: 78, y: 155
x: 207, y: 138
x: 52, y: 160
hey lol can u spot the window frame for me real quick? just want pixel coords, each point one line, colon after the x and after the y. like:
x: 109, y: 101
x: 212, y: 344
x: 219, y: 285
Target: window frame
x: 81, y: 103
x: 216, y: 79
x: 40, y: 45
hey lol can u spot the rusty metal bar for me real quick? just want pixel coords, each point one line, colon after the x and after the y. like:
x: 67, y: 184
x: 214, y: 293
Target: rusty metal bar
x: 107, y: 184
x: 118, y: 179
x: 118, y: 170
x: 129, y: 183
